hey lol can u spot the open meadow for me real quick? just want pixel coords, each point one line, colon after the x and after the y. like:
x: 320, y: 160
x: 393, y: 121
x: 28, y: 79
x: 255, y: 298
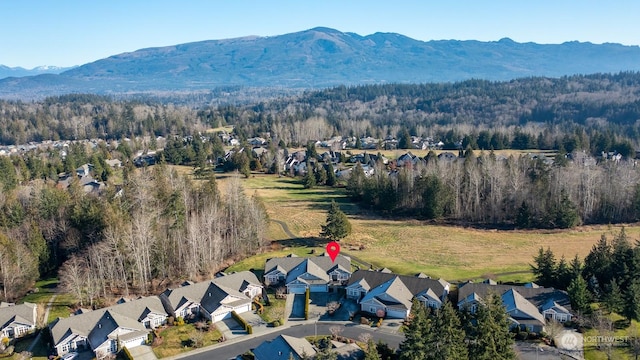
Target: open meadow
x: 408, y: 246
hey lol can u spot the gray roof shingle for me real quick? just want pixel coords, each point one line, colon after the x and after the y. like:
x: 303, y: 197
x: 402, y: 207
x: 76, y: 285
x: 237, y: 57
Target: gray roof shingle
x: 23, y: 313
x: 415, y: 284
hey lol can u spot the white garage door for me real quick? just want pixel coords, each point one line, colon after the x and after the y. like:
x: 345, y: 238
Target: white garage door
x: 396, y: 314
x: 218, y: 317
x: 243, y: 309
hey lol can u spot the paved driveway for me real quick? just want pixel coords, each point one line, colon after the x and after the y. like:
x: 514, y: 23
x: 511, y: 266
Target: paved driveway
x: 142, y: 352
x: 297, y: 307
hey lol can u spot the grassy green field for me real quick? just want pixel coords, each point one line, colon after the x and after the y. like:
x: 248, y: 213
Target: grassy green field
x: 410, y: 246
x: 174, y: 339
x: 61, y: 305
x: 622, y: 330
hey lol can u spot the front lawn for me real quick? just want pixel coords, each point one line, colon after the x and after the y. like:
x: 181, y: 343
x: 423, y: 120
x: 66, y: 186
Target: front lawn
x: 177, y: 339
x: 61, y: 305
x: 40, y: 350
x: 275, y: 311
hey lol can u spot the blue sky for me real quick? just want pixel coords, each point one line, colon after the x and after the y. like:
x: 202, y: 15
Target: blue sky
x: 74, y: 32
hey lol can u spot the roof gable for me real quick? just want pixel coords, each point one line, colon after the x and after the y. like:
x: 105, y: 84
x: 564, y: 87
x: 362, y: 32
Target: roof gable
x: 537, y: 296
x: 519, y: 307
x: 415, y: 284
x: 23, y: 313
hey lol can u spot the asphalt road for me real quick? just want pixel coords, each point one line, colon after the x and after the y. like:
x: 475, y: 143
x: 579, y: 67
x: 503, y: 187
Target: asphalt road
x: 351, y: 331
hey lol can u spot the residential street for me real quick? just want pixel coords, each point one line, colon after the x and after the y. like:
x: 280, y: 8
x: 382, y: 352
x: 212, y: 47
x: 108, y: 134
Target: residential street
x: 230, y: 351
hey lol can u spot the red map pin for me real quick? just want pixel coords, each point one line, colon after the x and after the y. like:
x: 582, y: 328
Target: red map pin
x: 333, y: 249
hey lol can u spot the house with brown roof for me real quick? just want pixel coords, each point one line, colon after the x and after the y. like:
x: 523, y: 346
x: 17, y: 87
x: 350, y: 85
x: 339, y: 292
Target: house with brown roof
x: 318, y: 274
x: 390, y: 295
x: 528, y: 307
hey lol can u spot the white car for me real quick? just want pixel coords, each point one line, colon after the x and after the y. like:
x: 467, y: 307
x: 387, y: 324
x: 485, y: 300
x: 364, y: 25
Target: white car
x: 69, y: 356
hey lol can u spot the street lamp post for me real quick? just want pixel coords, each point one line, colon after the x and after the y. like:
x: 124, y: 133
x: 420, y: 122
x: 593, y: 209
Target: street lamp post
x: 316, y: 324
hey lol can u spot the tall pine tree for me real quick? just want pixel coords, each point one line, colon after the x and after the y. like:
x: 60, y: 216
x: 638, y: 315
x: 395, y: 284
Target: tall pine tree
x: 417, y: 334
x: 491, y: 339
x: 338, y: 226
x: 544, y: 268
x: 579, y: 295
x: 449, y: 340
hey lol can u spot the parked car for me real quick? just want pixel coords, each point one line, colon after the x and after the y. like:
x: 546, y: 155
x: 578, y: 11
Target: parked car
x: 69, y: 356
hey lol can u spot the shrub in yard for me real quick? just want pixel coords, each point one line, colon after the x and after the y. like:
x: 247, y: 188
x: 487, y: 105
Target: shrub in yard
x: 179, y: 321
x: 126, y: 354
x: 306, y: 304
x: 242, y: 322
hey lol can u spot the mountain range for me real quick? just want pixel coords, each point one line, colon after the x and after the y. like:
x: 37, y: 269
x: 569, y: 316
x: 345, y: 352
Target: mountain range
x: 322, y: 57
x: 6, y: 71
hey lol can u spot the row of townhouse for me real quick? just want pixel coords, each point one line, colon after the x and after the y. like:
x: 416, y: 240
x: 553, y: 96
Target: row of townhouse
x: 384, y: 294
x: 128, y: 323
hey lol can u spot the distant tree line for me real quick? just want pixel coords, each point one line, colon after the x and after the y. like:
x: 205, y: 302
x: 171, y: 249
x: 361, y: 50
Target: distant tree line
x: 594, y: 113
x: 523, y: 191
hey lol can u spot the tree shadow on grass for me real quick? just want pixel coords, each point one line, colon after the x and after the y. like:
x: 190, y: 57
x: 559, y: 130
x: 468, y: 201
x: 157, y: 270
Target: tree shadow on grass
x: 621, y: 324
x: 310, y: 241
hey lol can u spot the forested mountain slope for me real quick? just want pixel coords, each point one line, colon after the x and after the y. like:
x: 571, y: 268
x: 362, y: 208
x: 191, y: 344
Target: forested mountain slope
x: 322, y: 57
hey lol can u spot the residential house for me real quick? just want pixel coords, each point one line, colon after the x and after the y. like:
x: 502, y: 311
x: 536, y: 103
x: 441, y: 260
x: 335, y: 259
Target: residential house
x: 332, y: 157
x: 257, y: 141
x: 17, y: 320
x: 447, y: 156
x: 145, y: 159
x: 366, y: 169
x: 407, y: 159
x: 284, y: 347
x: 104, y: 331
x: 114, y: 163
x: 318, y: 274
x: 259, y: 151
x: 215, y: 299
x: 528, y: 306
x: 389, y: 295
x: 347, y: 351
